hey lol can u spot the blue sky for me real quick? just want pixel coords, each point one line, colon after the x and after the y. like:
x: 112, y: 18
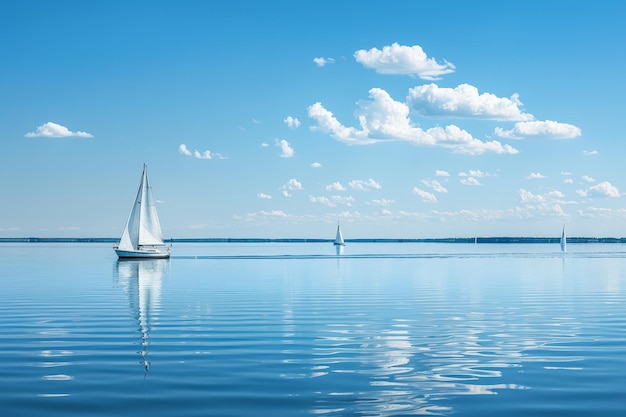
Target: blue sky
x: 274, y: 119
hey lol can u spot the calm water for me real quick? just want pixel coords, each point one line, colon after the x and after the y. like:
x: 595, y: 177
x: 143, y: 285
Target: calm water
x: 296, y: 329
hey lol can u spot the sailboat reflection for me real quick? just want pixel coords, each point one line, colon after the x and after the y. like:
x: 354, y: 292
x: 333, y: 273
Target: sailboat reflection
x: 141, y: 280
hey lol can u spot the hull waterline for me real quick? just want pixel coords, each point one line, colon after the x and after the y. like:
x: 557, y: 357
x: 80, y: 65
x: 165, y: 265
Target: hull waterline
x: 141, y: 254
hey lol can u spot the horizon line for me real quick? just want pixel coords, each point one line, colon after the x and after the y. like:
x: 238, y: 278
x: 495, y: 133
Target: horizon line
x: 474, y: 239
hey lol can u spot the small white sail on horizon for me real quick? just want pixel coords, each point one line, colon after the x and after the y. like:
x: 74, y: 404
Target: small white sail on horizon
x: 563, y: 240
x: 339, y: 238
x: 142, y: 236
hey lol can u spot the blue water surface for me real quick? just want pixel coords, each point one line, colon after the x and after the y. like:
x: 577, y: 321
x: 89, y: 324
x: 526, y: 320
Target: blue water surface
x: 293, y: 329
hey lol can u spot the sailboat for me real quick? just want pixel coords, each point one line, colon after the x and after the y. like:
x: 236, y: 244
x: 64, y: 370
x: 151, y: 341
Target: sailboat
x: 563, y: 240
x: 339, y: 238
x: 142, y: 236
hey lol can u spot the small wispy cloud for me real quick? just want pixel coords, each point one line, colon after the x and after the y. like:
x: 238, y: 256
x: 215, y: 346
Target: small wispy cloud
x: 382, y: 202
x: 263, y: 196
x: 286, y: 150
x: 320, y: 62
x: 54, y: 130
x: 292, y: 122
x: 264, y: 145
x: 426, y: 196
x: 441, y: 173
x: 546, y: 128
x: 469, y: 181
x: 435, y: 185
x: 364, y: 185
x: 535, y: 176
x: 469, y: 177
x: 316, y: 165
x: 590, y: 153
x: 182, y: 148
x: 587, y: 178
x: 474, y: 173
x: 333, y: 201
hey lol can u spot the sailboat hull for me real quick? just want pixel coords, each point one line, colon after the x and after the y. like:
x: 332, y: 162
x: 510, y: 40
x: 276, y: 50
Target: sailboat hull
x: 144, y: 253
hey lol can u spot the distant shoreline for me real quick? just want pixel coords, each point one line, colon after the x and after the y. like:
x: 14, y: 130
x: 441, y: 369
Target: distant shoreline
x: 481, y: 240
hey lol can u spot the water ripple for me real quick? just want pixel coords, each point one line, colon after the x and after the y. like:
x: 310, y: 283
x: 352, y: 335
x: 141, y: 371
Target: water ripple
x: 382, y: 336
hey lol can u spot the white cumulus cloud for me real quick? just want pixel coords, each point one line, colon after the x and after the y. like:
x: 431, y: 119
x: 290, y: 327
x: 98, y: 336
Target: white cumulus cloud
x: 441, y: 173
x: 316, y: 165
x: 286, y: 149
x: 547, y: 128
x: 401, y: 59
x: 528, y: 197
x: 263, y: 196
x: 464, y: 101
x: 291, y: 185
x: 603, y: 189
x: 292, y: 122
x: 384, y: 119
x: 54, y: 130
x: 336, y: 186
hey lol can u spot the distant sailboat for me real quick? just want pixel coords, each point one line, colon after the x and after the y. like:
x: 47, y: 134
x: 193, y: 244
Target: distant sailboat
x: 563, y: 240
x: 339, y: 238
x: 142, y: 236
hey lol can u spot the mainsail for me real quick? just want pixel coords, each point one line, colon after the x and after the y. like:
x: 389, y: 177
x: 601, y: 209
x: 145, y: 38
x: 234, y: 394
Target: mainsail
x: 339, y: 237
x: 143, y: 226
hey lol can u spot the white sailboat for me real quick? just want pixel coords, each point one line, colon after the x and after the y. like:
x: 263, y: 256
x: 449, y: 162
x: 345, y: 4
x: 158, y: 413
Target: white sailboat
x: 339, y: 238
x: 563, y: 240
x: 142, y: 236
